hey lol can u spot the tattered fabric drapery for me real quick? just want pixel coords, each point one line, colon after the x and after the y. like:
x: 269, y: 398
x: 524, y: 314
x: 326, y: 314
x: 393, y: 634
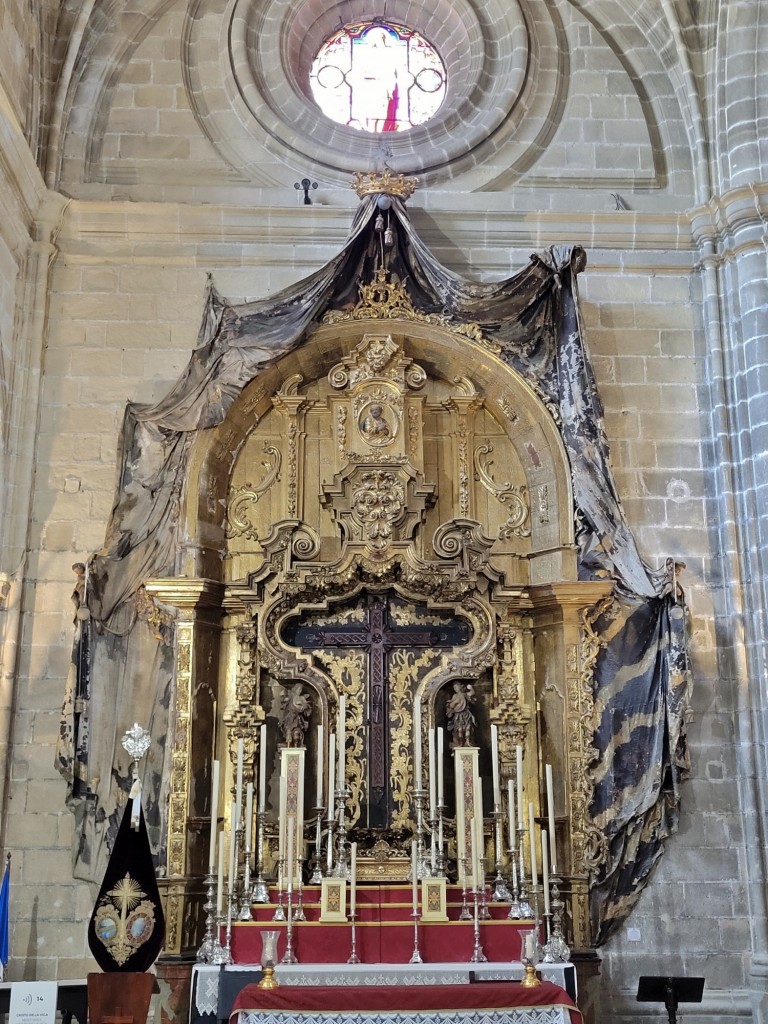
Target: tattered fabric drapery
x: 532, y: 320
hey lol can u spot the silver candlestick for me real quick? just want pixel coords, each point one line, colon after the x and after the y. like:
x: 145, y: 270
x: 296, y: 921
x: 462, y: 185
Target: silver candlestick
x: 205, y: 953
x: 260, y: 892
x: 289, y: 957
x: 515, y: 912
x: 556, y: 946
x: 500, y: 890
x: 424, y: 869
x: 222, y: 955
x: 341, y: 869
x: 353, y: 957
x: 415, y: 955
x: 478, y: 956
x: 317, y: 874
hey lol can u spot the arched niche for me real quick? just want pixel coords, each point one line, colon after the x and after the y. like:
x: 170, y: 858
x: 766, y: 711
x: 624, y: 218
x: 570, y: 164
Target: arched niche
x: 484, y: 532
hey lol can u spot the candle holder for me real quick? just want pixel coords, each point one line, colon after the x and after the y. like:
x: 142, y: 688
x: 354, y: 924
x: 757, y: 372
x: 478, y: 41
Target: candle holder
x: 440, y: 839
x: 500, y: 890
x: 317, y: 874
x: 530, y: 956
x: 515, y: 912
x: 485, y: 914
x: 299, y: 912
x: 260, y: 892
x: 268, y: 958
x: 353, y: 957
x: 222, y: 955
x: 423, y: 866
x: 341, y: 870
x: 279, y: 914
x: 289, y: 957
x: 415, y: 955
x: 525, y: 907
x: 478, y: 956
x: 465, y: 914
x: 205, y: 952
x: 556, y: 946
x: 433, y: 872
x: 245, y: 893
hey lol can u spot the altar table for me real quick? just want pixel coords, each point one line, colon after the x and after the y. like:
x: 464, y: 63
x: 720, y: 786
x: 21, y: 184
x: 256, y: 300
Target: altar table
x: 479, y: 1003
x: 214, y: 989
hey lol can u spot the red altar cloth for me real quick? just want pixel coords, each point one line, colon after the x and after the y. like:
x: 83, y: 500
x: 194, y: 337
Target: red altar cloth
x: 387, y: 998
x: 389, y: 942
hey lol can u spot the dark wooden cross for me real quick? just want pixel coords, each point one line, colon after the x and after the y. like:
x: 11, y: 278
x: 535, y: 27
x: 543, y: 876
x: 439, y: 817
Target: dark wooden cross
x: 378, y: 635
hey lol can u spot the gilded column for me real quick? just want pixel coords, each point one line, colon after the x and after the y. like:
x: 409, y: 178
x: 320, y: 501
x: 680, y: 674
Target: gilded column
x: 192, y: 717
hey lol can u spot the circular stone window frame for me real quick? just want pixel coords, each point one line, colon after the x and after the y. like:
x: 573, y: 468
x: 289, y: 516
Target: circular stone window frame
x: 485, y: 47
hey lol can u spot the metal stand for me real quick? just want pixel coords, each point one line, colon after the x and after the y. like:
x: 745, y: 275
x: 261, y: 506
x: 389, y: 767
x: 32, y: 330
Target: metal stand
x: 341, y: 870
x: 317, y: 874
x: 465, y: 914
x: 478, y: 956
x: 500, y: 890
x: 353, y: 957
x: 415, y: 955
x: 279, y: 914
x: 440, y: 840
x: 260, y: 892
x: 515, y: 912
x: 222, y: 955
x: 205, y: 953
x: 556, y: 946
x: 423, y: 866
x: 289, y: 957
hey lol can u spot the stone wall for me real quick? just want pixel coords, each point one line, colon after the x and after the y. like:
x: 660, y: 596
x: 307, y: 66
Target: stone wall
x: 100, y: 301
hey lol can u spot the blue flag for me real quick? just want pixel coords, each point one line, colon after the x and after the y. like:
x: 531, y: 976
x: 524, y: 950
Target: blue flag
x: 5, y: 893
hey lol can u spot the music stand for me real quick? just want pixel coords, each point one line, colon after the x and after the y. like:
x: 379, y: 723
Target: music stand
x: 670, y: 991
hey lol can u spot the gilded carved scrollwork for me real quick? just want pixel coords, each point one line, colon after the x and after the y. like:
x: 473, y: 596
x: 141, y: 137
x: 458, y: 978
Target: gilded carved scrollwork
x: 515, y: 499
x: 386, y: 298
x: 588, y: 844
x: 242, y: 498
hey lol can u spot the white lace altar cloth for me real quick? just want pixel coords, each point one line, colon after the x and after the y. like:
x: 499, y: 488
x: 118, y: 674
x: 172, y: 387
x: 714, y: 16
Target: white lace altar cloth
x: 518, y: 1015
x: 205, y: 977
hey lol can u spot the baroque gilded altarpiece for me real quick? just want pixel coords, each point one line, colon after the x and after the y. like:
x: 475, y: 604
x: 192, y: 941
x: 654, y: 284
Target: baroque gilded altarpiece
x: 394, y: 480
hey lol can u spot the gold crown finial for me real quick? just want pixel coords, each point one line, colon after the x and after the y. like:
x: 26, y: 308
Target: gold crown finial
x: 374, y: 182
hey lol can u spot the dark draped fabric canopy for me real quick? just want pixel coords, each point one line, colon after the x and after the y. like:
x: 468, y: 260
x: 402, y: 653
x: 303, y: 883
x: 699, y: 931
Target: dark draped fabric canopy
x: 532, y: 320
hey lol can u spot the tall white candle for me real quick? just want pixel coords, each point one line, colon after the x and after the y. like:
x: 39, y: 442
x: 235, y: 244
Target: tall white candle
x: 289, y: 858
x: 415, y: 876
x: 319, y: 801
x: 440, y: 767
x: 341, y: 738
x: 281, y: 824
x: 519, y: 769
x: 473, y: 852
x: 432, y: 773
x: 353, y: 879
x: 331, y: 772
x: 511, y: 816
x: 248, y: 816
x: 532, y: 832
x: 495, y: 767
x: 232, y: 859
x: 239, y: 777
x: 214, y: 816
x: 220, y: 876
x: 417, y: 744
x: 262, y: 768
x: 545, y: 868
x: 551, y: 815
